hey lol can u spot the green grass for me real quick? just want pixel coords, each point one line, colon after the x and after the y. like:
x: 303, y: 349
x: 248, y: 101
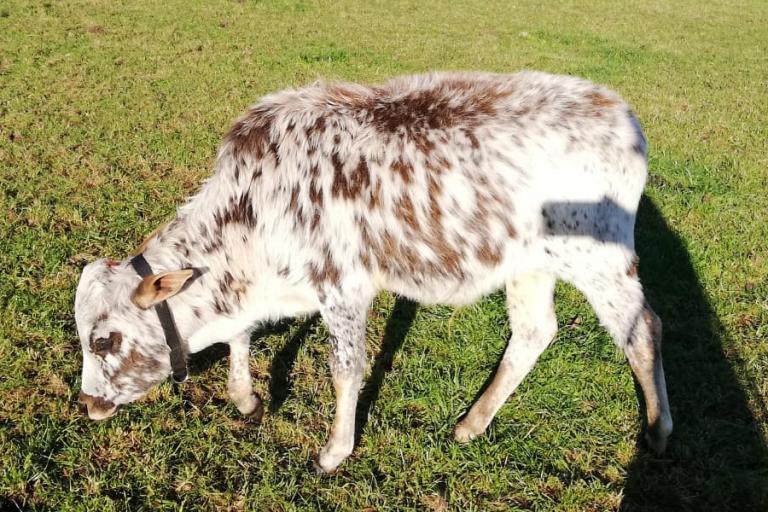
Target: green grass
x: 110, y: 114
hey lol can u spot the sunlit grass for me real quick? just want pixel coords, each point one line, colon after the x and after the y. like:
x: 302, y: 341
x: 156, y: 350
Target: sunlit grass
x: 109, y: 117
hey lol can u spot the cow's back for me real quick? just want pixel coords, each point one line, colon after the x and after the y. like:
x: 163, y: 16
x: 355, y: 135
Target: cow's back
x: 434, y: 185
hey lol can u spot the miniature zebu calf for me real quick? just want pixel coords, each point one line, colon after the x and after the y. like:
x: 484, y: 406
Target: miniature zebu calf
x: 440, y: 188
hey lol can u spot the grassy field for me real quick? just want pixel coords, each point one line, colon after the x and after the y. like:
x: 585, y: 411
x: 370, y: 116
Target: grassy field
x: 110, y: 114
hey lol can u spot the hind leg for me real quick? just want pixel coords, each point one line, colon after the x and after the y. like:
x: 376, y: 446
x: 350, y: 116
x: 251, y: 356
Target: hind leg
x: 533, y: 322
x: 617, y: 298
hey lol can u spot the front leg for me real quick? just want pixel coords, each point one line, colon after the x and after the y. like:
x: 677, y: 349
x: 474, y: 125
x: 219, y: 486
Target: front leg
x: 346, y: 325
x: 240, y: 386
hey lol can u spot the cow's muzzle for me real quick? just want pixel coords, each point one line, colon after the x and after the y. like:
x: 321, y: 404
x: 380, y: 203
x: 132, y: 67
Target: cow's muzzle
x: 98, y: 408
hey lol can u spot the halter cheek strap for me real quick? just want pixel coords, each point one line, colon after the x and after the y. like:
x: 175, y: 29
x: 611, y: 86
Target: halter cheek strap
x: 171, y: 332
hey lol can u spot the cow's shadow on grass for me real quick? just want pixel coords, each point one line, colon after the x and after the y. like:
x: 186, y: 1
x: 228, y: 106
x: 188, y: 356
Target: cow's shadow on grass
x: 716, y: 459
x: 202, y: 361
x: 398, y: 325
x: 218, y: 353
x: 280, y: 381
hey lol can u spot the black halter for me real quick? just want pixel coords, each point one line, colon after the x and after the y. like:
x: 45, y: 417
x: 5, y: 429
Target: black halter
x: 172, y: 337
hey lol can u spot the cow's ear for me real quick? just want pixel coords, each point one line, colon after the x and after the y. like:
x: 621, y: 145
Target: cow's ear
x: 157, y: 288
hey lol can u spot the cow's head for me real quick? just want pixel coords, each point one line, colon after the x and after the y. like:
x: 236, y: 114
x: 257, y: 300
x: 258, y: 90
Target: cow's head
x: 124, y: 348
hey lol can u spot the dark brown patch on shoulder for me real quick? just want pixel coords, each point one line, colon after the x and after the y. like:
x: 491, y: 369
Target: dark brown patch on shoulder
x: 479, y: 220
x: 448, y: 103
x: 443, y: 106
x: 251, y: 134
x: 204, y: 235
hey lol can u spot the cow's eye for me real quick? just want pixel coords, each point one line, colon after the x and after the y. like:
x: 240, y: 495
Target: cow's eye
x: 103, y: 345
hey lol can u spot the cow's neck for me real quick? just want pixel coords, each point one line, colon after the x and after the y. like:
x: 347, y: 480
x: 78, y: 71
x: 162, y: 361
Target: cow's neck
x: 242, y: 282
x: 209, y: 310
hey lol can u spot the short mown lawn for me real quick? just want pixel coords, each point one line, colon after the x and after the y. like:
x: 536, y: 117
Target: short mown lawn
x: 110, y: 115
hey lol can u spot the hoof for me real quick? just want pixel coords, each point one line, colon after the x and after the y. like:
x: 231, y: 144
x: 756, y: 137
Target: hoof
x: 251, y: 407
x: 257, y: 414
x: 656, y: 443
x: 463, y: 434
x: 319, y: 469
x: 657, y: 436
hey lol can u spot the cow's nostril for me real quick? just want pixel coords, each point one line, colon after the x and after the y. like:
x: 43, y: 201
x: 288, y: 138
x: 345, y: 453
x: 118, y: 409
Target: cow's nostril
x: 97, y: 407
x: 84, y: 400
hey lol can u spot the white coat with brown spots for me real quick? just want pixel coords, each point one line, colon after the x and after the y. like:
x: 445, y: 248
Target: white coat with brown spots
x: 441, y: 188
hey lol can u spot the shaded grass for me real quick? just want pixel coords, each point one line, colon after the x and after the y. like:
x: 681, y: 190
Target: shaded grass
x: 110, y: 115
